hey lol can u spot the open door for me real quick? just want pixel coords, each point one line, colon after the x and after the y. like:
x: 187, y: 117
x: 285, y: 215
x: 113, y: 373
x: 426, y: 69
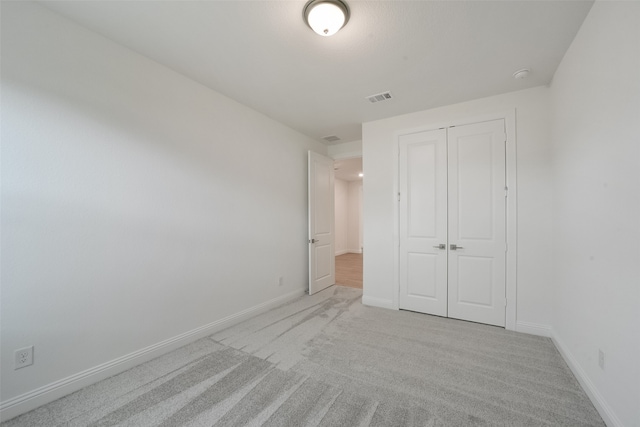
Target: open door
x: 322, y: 272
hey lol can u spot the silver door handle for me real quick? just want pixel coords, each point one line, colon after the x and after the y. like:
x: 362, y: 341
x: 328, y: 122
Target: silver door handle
x: 454, y: 247
x: 441, y: 246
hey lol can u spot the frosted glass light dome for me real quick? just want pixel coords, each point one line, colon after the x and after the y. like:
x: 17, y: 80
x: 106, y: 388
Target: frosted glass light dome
x: 326, y: 17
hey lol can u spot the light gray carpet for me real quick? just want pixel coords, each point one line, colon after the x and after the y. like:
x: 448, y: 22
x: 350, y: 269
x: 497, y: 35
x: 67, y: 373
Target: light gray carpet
x: 326, y: 360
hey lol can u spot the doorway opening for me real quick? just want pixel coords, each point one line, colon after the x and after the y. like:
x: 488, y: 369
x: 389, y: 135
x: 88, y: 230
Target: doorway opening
x: 348, y: 222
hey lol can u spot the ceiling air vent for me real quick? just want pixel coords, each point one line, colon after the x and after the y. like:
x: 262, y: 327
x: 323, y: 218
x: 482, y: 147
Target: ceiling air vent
x: 331, y: 138
x: 379, y: 97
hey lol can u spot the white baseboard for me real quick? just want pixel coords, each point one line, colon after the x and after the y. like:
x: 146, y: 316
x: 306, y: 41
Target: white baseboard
x: 605, y: 411
x: 338, y: 253
x: 377, y: 302
x: 55, y: 390
x: 533, y: 328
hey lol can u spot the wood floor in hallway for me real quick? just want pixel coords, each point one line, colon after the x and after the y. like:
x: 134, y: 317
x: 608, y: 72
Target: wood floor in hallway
x: 349, y: 270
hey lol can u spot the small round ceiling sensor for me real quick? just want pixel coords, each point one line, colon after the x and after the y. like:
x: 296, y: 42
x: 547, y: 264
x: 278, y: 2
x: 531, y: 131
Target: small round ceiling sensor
x: 521, y: 74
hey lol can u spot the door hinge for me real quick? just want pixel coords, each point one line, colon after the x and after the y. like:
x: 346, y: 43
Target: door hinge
x: 398, y: 197
x: 506, y: 192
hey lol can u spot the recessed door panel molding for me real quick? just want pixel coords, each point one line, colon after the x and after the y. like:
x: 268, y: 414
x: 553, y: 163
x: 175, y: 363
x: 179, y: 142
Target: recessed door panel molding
x: 323, y: 258
x: 474, y: 281
x: 474, y: 184
x: 422, y: 275
x: 323, y: 184
x: 321, y: 222
x: 421, y: 189
x: 423, y: 222
x: 452, y: 222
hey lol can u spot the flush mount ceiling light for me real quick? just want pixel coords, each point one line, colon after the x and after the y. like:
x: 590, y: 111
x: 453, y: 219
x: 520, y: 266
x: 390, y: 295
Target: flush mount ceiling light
x: 521, y: 74
x: 326, y: 17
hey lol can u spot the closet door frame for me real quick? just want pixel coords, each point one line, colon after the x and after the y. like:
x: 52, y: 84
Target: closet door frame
x: 509, y: 118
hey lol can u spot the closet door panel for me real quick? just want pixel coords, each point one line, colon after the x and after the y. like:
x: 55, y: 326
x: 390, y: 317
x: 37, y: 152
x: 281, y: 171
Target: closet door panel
x: 476, y: 211
x: 423, y: 222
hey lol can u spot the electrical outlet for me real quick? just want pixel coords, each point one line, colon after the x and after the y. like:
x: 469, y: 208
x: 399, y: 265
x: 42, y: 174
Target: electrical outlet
x: 601, y: 359
x: 24, y: 357
x: 281, y: 281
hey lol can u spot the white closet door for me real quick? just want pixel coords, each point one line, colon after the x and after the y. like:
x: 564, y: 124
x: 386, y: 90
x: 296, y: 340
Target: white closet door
x: 477, y: 213
x: 423, y: 222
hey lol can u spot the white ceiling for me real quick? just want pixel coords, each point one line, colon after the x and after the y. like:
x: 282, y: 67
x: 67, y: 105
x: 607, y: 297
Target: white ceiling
x: 262, y: 54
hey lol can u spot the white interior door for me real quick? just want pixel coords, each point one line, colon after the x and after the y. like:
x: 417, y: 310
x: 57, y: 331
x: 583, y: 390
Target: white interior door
x: 322, y: 272
x: 423, y: 222
x: 477, y: 226
x: 453, y: 222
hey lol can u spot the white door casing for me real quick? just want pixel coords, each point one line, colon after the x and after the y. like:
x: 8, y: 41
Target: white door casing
x: 321, y: 223
x: 452, y: 185
x: 477, y: 221
x: 423, y: 222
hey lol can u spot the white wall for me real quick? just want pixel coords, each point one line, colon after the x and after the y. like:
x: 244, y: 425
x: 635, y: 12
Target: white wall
x: 354, y: 237
x: 596, y: 146
x: 534, y: 199
x: 348, y: 213
x: 341, y: 194
x: 353, y: 211
x: 137, y: 205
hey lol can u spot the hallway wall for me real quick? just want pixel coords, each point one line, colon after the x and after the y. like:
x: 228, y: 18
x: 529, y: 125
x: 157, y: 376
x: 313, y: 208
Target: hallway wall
x: 341, y: 206
x: 348, y: 216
